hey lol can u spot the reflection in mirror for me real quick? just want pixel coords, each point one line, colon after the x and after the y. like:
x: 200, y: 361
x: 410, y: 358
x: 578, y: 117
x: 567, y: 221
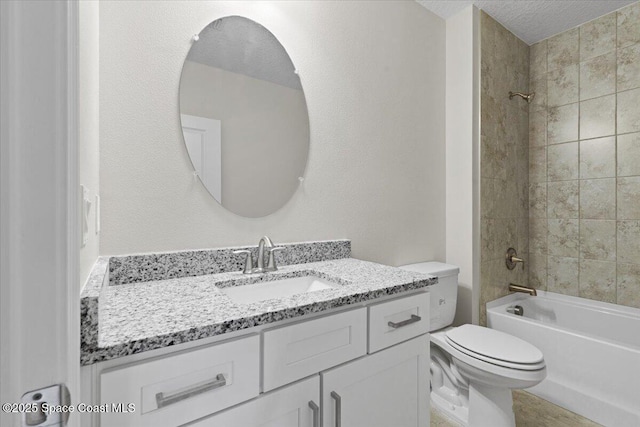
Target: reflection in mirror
x: 244, y: 117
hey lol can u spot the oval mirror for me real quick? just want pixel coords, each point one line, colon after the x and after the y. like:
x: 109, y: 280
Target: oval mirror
x: 244, y: 116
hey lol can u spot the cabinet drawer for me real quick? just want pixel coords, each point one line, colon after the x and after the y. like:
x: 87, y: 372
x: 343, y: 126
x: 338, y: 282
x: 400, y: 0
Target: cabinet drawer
x: 181, y: 388
x: 398, y: 320
x: 296, y: 351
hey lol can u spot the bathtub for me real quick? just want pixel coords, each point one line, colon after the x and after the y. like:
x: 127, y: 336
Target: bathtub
x: 592, y: 351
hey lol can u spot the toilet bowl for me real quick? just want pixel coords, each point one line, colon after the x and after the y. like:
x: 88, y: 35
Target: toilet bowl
x: 473, y: 368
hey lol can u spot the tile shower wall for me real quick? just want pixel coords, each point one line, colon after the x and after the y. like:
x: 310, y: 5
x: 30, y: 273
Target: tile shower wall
x: 504, y: 157
x: 584, y: 157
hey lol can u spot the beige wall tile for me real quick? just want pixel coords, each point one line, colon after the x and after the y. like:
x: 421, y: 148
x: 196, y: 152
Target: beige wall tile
x: 538, y: 60
x: 538, y: 200
x: 488, y: 228
x: 562, y: 199
x: 538, y: 128
x: 629, y: 154
x: 629, y: 25
x: 507, y: 237
x: 628, y: 284
x: 598, y: 37
x: 629, y: 198
x: 598, y: 239
x: 598, y: 280
x: 598, y: 158
x: 563, y: 237
x: 522, y: 234
x: 629, y: 111
x: 562, y: 275
x: 562, y: 162
x: 598, y: 76
x: 538, y: 232
x: 563, y: 86
x: 493, y: 153
x: 629, y: 67
x: 628, y: 235
x: 598, y: 117
x: 562, y: 124
x: 563, y: 49
x: 539, y: 86
x: 598, y: 198
x: 538, y: 271
x: 487, y: 198
x: 590, y: 167
x: 538, y: 164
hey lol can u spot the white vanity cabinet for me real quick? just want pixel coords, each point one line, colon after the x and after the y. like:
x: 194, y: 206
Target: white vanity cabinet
x: 362, y: 367
x: 386, y: 389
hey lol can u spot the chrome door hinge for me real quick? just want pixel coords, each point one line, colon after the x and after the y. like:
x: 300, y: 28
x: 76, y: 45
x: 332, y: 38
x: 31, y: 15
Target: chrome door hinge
x: 46, y: 407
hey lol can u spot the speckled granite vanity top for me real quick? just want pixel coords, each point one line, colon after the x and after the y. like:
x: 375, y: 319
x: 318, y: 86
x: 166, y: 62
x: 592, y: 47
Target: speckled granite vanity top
x: 128, y: 318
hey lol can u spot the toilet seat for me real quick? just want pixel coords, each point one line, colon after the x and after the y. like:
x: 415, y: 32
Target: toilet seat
x: 495, y: 347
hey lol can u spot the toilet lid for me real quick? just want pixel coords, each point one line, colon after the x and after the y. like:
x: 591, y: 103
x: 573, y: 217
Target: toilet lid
x: 494, y: 345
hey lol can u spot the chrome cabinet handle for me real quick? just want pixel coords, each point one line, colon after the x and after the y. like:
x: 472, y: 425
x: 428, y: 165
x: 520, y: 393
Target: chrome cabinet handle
x: 338, y: 400
x: 316, y: 413
x: 413, y: 319
x: 167, y: 399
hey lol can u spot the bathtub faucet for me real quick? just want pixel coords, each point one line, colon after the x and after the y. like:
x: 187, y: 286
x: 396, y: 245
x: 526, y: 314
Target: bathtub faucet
x: 520, y: 288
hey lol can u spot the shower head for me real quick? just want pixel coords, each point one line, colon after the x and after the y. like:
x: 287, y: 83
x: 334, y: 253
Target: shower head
x: 526, y: 96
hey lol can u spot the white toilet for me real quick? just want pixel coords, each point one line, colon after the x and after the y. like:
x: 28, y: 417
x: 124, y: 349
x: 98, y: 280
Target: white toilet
x: 474, y: 368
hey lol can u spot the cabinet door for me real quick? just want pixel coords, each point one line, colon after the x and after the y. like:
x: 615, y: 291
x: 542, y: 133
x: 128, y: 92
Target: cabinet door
x: 386, y: 389
x: 290, y: 406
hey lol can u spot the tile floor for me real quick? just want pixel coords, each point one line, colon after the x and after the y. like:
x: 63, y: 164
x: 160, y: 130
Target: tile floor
x: 531, y: 411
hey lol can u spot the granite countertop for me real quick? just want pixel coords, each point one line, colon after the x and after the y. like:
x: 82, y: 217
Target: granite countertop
x: 138, y: 317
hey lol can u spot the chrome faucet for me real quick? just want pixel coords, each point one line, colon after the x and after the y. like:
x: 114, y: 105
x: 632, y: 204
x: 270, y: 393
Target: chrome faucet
x: 265, y: 243
x: 524, y: 289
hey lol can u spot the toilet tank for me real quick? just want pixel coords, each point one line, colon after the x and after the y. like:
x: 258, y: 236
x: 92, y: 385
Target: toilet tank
x: 443, y: 295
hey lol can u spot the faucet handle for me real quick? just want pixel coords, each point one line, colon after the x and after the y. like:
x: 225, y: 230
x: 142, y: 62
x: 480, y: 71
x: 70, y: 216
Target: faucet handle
x: 248, y: 262
x: 512, y: 259
x: 271, y: 265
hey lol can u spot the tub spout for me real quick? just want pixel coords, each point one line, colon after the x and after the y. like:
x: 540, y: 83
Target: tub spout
x: 520, y: 288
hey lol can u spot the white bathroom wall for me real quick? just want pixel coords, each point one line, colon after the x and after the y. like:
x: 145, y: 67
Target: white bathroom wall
x: 374, y: 80
x: 462, y: 121
x: 88, y: 122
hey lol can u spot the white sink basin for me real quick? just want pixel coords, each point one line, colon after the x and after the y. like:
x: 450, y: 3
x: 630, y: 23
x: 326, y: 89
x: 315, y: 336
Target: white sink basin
x: 246, y: 294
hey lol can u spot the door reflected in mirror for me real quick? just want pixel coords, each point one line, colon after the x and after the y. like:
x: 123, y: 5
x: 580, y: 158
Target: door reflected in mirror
x: 244, y: 117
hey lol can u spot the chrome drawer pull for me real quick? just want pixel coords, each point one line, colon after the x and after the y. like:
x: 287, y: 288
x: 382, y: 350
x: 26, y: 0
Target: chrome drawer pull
x: 316, y: 413
x: 168, y: 399
x: 338, y: 400
x: 413, y: 319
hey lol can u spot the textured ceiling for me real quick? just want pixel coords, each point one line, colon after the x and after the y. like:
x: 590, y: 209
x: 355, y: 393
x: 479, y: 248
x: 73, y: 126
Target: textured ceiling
x: 532, y: 21
x: 242, y: 46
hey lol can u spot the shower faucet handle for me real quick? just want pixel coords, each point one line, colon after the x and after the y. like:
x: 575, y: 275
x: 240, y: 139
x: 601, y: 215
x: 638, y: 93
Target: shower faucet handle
x: 511, y: 259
